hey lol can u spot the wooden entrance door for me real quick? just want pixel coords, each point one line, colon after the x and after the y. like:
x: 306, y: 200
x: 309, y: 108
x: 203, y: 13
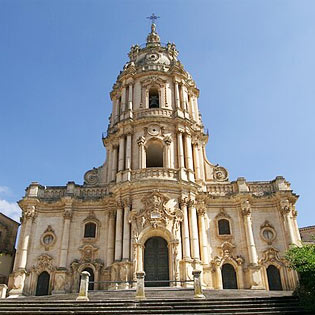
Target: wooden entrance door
x: 229, y: 277
x: 156, y: 262
x: 274, y: 279
x: 43, y: 283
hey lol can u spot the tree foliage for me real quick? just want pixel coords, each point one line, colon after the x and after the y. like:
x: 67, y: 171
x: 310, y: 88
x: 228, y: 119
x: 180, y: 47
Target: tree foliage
x: 302, y: 259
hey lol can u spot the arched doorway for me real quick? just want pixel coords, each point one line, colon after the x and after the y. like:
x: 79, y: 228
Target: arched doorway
x: 43, y: 283
x: 229, y: 277
x: 91, y: 278
x: 274, y: 279
x: 156, y: 262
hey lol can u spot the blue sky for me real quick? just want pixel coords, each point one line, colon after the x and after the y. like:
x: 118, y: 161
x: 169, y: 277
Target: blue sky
x: 252, y: 60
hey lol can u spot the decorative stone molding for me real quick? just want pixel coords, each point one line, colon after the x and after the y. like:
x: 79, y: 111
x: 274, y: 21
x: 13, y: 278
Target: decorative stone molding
x: 220, y: 174
x: 226, y: 249
x: 48, y: 238
x: 222, y: 215
x: 271, y: 255
x: 285, y: 206
x: 167, y: 140
x: 246, y: 208
x: 155, y: 212
x: 87, y: 253
x: 91, y: 177
x: 92, y: 218
x: 29, y: 213
x: 44, y: 263
x: 267, y: 232
x: 141, y: 140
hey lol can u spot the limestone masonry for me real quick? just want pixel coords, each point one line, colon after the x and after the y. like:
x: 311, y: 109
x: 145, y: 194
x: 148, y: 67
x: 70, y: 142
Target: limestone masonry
x: 157, y: 204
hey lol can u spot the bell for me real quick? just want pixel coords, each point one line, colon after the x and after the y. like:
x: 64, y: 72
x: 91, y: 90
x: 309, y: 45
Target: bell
x: 154, y: 101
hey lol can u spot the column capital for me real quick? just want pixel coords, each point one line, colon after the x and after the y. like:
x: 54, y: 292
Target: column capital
x: 191, y: 203
x: 183, y: 202
x: 167, y: 140
x: 29, y: 213
x: 126, y: 202
x: 285, y: 206
x: 67, y: 214
x: 141, y: 140
x: 246, y: 208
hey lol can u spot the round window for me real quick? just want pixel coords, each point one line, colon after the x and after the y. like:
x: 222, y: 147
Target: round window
x: 48, y: 239
x: 268, y: 234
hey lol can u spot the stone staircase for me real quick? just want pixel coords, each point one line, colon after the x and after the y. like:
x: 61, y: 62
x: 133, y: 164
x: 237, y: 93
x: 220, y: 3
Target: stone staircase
x: 167, y: 301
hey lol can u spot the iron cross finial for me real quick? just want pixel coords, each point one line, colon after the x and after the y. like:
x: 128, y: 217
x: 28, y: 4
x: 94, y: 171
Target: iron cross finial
x: 153, y: 18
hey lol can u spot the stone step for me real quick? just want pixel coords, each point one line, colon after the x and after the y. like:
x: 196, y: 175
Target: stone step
x: 159, y: 302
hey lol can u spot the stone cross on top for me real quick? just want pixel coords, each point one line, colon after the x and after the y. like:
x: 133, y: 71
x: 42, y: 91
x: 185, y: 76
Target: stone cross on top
x: 153, y: 18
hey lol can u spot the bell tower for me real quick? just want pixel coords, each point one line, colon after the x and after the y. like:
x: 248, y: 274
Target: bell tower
x: 155, y: 128
x: 156, y: 164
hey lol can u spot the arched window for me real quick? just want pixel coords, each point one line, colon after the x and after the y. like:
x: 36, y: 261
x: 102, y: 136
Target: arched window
x: 154, y: 155
x: 228, y: 277
x: 224, y: 227
x: 154, y: 99
x: 90, y: 229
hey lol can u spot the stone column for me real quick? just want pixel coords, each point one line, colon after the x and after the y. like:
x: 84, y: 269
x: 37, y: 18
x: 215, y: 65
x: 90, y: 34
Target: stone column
x: 295, y: 225
x: 106, y: 230
x: 182, y: 97
x: 197, y: 162
x: 177, y: 100
x: 111, y: 238
x: 114, y: 164
x: 126, y: 237
x: 121, y: 160
x: 116, y: 117
x: 28, y: 217
x: 193, y: 226
x: 246, y: 212
x: 140, y: 257
x: 118, y: 236
x: 203, y: 236
x: 65, y: 235
x: 130, y: 97
x: 189, y: 161
x: 109, y: 164
x: 285, y: 207
x: 141, y: 153
x: 185, y: 229
x: 218, y: 275
x: 181, y: 159
x: 254, y: 268
x: 123, y: 100
x: 128, y: 152
x: 167, y: 142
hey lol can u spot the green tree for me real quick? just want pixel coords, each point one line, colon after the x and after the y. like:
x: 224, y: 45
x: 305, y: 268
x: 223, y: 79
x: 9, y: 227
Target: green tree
x: 302, y: 259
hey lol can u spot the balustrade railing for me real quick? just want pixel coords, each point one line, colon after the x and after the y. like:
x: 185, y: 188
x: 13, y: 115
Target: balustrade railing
x: 155, y: 173
x: 161, y: 112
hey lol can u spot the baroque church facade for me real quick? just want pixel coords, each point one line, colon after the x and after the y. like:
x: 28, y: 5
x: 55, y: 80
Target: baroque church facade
x: 157, y: 204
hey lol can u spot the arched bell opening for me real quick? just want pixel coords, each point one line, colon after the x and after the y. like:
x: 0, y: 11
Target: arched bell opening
x: 154, y: 98
x: 229, y: 279
x: 274, y: 278
x: 154, y: 154
x: 42, y: 287
x: 156, y: 262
